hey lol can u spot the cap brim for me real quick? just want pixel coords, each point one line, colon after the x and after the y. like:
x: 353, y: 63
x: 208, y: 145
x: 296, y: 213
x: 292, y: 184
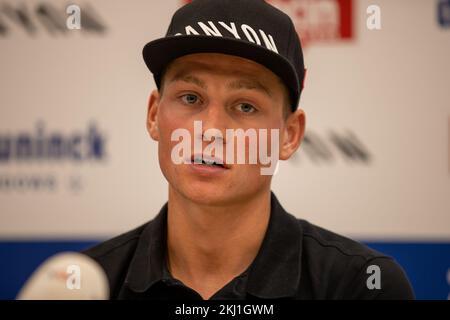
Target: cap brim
x: 158, y: 53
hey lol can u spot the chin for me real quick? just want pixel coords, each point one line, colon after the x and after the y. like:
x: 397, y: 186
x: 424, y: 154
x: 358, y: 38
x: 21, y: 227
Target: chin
x: 207, y: 194
x: 210, y: 192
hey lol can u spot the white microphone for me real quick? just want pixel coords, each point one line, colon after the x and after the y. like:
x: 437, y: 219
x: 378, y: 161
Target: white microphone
x: 66, y: 276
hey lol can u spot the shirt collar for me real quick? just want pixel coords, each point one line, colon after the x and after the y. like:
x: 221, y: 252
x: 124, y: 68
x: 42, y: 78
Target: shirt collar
x: 275, y: 272
x: 148, y: 263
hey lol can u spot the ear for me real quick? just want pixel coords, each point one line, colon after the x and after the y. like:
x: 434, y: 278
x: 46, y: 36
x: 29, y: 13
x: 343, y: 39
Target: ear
x: 294, y: 131
x: 152, y: 115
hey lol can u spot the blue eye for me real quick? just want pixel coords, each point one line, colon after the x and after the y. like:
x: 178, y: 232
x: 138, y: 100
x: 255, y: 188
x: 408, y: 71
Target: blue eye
x: 189, y: 98
x: 246, y: 108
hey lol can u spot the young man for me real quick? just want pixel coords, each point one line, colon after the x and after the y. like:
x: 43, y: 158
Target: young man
x: 233, y: 65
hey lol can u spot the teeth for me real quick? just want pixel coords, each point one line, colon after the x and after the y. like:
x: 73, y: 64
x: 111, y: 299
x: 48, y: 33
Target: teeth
x: 209, y: 162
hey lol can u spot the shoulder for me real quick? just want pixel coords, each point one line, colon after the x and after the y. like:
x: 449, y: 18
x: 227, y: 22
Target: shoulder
x: 320, y: 239
x: 115, y: 245
x: 115, y: 255
x: 350, y: 269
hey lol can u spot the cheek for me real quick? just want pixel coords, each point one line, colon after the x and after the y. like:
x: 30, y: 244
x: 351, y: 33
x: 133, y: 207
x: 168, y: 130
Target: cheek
x: 168, y: 123
x: 250, y: 180
x: 272, y: 136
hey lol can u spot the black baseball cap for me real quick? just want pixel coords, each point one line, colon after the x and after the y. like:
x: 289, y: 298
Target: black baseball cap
x: 251, y: 29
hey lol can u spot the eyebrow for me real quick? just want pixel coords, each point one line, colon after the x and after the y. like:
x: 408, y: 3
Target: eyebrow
x: 247, y: 83
x: 190, y: 79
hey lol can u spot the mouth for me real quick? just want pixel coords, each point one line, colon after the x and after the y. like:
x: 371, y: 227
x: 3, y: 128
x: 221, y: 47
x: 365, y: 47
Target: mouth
x: 208, y: 162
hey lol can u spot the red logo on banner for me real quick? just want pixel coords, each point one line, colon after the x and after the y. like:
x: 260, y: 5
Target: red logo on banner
x: 318, y: 20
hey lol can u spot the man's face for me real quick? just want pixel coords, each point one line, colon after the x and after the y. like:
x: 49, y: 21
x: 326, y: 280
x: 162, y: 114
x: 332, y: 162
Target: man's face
x: 223, y: 92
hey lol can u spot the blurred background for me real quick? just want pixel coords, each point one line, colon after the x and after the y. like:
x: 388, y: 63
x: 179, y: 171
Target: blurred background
x: 77, y: 165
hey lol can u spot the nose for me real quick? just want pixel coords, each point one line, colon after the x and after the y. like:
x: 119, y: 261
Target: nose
x: 214, y: 121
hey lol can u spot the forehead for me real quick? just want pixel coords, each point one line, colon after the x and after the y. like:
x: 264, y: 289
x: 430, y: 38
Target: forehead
x: 221, y: 65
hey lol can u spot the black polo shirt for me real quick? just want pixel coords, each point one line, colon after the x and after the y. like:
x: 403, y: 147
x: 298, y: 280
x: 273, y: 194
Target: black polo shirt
x: 297, y: 260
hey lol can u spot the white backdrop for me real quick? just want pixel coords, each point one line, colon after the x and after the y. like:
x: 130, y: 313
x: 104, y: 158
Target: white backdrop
x: 388, y: 88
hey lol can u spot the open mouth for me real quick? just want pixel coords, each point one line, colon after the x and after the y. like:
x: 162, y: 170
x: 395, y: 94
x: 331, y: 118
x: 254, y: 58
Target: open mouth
x: 207, y: 162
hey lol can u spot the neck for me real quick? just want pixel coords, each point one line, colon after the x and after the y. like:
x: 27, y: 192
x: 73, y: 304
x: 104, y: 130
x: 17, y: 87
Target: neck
x: 210, y: 245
